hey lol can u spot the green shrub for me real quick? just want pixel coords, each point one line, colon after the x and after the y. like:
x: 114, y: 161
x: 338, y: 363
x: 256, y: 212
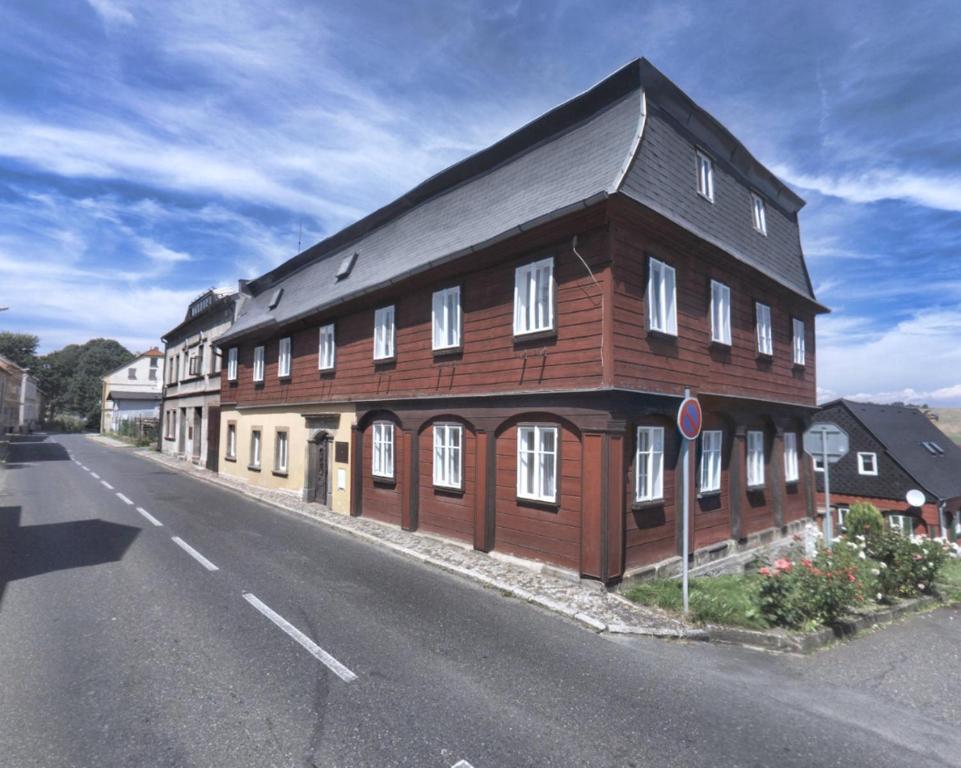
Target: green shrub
x: 807, y: 592
x: 863, y: 519
x: 907, y: 567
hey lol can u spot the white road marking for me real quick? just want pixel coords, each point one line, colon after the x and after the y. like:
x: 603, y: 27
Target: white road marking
x: 94, y: 475
x: 150, y: 517
x: 124, y: 499
x: 312, y: 648
x: 462, y: 764
x: 194, y: 554
x: 105, y: 484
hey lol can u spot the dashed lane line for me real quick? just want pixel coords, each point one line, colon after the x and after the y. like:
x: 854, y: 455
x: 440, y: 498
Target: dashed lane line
x: 194, y: 553
x: 124, y: 499
x: 311, y: 647
x: 106, y: 485
x: 462, y: 764
x: 94, y: 475
x: 150, y: 517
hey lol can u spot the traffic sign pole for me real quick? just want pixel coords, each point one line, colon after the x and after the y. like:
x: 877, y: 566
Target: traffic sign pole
x: 689, y: 421
x: 828, y: 519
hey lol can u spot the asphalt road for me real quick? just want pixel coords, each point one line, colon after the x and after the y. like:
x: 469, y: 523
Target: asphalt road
x: 118, y: 647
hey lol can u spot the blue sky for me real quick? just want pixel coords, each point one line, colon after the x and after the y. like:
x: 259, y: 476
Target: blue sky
x: 149, y: 151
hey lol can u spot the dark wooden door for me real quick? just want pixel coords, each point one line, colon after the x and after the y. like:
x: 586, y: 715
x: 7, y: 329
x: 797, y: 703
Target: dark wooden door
x: 321, y: 477
x: 213, y: 438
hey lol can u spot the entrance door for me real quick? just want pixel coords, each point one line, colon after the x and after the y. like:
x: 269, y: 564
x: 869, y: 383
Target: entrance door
x: 198, y: 433
x: 321, y: 476
x: 182, y: 433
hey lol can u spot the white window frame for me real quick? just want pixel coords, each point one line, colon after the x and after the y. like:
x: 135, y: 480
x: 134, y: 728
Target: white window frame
x: 705, y: 175
x: 326, y: 347
x: 232, y: 364
x: 534, y: 297
x: 541, y: 458
x: 799, y: 344
x: 759, y: 213
x: 661, y: 297
x: 765, y: 329
x: 649, y: 464
x: 256, y: 447
x: 842, y: 514
x: 792, y: 471
x: 384, y: 332
x: 818, y: 463
x: 231, y: 440
x: 382, y: 450
x: 449, y: 455
x: 284, y: 362
x: 446, y: 318
x: 281, y: 450
x: 904, y: 524
x: 712, y: 452
x: 720, y: 313
x: 862, y: 455
x: 755, y: 458
x: 258, y: 363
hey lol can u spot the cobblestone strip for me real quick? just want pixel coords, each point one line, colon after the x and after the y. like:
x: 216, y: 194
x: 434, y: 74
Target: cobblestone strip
x: 583, y: 601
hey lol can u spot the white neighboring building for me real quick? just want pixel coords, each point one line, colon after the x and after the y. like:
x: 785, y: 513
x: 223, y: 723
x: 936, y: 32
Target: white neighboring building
x: 29, y: 403
x: 190, y: 426
x: 133, y: 391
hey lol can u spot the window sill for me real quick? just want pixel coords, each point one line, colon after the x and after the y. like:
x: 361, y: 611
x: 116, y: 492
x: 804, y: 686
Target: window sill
x: 795, y: 481
x: 755, y: 488
x: 765, y: 357
x: 639, y: 506
x: 278, y: 473
x: 378, y: 361
x: 448, y: 351
x: 169, y: 439
x: 284, y: 379
x: 231, y: 459
x: 386, y: 482
x: 547, y: 333
x: 258, y: 384
x: 252, y: 468
x: 725, y: 345
x: 709, y: 494
x: 549, y: 506
x: 667, y: 335
x: 231, y: 382
x: 327, y: 372
x: 798, y: 366
x: 448, y: 490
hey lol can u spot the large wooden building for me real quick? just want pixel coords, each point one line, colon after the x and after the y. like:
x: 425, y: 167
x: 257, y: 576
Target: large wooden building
x: 507, y: 343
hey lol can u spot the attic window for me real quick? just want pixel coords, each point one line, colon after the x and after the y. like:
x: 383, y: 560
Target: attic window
x: 346, y: 265
x: 275, y: 299
x: 933, y: 448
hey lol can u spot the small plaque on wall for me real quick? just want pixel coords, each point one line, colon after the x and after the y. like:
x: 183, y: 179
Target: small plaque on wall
x: 341, y: 452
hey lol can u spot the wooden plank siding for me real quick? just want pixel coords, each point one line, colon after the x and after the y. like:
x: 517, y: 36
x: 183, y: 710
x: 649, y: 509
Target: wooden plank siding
x: 446, y: 511
x: 658, y: 363
x: 491, y: 358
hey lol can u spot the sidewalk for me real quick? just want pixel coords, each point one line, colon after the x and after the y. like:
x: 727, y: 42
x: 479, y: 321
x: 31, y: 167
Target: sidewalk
x: 584, y: 601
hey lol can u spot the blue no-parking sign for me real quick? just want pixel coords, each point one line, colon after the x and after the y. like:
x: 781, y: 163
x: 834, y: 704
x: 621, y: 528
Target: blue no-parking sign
x: 690, y: 418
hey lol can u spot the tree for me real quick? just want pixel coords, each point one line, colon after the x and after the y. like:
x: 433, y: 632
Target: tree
x: 21, y: 348
x: 70, y: 377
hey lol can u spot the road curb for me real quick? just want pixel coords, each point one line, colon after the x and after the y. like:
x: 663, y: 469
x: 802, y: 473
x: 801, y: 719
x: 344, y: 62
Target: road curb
x: 585, y: 619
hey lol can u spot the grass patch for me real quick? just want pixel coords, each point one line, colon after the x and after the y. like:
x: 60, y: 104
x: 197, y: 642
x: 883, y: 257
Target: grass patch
x: 731, y: 600
x: 949, y: 580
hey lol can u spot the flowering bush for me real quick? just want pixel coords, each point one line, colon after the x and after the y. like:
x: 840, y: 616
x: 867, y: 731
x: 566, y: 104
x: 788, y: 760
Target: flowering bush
x: 907, y: 567
x: 864, y: 519
x: 803, y: 592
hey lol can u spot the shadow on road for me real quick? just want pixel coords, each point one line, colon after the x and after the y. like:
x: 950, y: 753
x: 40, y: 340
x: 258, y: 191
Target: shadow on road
x: 25, y: 449
x: 37, y: 549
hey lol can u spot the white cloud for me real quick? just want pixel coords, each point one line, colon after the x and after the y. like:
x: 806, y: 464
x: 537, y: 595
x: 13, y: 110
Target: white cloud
x: 112, y: 11
x: 916, y: 360
x: 940, y: 191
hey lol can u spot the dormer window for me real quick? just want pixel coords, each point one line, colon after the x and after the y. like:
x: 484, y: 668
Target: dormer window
x: 758, y: 213
x: 867, y: 464
x: 705, y: 176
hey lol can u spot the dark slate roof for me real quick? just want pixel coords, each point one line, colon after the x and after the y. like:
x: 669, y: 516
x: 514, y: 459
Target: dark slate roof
x: 902, y: 430
x: 573, y: 156
x: 121, y: 394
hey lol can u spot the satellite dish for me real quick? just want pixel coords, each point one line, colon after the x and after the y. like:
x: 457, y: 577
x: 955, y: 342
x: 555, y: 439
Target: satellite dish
x: 914, y: 497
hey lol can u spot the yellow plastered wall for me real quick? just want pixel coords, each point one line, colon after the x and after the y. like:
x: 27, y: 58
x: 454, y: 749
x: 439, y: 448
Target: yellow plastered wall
x: 269, y: 421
